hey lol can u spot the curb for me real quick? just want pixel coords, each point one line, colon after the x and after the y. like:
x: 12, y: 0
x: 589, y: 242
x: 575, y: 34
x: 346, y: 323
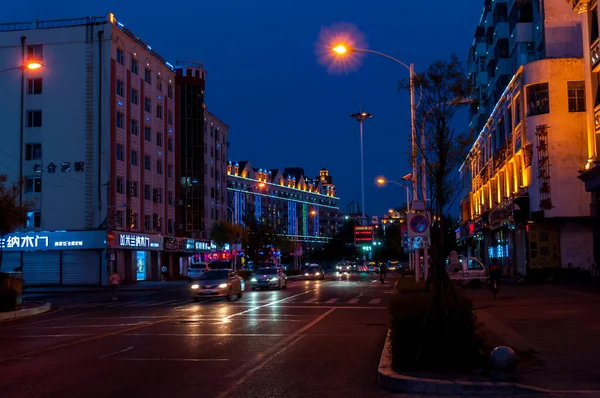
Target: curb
x: 397, y: 382
x: 12, y: 315
x: 107, y: 289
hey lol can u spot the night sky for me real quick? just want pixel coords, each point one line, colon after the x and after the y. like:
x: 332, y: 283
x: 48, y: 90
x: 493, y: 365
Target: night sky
x: 264, y: 80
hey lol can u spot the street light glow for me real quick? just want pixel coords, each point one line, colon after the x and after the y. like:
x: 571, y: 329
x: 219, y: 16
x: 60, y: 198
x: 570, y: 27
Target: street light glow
x: 381, y: 180
x: 261, y: 185
x: 340, y: 49
x: 33, y: 65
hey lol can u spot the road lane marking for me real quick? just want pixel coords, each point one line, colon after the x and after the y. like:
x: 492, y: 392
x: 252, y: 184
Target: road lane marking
x: 375, y: 301
x: 353, y: 301
x: 251, y: 366
x: 141, y: 304
x: 312, y: 300
x: 175, y: 359
x: 116, y: 352
x: 117, y: 332
x: 339, y: 307
x: 331, y: 301
x: 90, y: 326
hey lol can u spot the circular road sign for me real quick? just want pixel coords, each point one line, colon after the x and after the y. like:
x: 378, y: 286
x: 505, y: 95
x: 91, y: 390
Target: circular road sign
x: 419, y: 224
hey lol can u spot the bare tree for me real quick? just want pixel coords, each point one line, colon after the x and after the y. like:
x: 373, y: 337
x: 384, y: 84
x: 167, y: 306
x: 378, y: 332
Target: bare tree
x: 12, y: 215
x: 442, y: 89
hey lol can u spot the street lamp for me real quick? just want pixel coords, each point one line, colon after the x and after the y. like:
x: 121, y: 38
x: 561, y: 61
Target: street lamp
x: 342, y: 49
x: 382, y: 181
x: 360, y: 118
x: 31, y: 65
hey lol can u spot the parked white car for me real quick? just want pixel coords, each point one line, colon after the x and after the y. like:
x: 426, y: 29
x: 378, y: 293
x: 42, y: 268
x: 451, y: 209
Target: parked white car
x: 470, y: 271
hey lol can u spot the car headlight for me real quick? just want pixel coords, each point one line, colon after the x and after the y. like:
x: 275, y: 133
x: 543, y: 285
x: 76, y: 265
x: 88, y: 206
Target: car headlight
x: 222, y: 285
x: 306, y: 274
x: 273, y: 280
x: 253, y: 280
x: 317, y: 273
x: 195, y: 286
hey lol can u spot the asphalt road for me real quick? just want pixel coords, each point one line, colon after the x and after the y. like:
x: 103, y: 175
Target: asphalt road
x: 314, y: 339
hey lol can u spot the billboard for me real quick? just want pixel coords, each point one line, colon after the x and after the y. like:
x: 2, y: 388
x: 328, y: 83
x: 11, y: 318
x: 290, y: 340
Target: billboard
x: 363, y: 234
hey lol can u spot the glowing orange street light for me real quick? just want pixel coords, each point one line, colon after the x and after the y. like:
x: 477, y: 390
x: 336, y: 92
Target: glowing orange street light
x: 262, y: 185
x: 381, y: 180
x: 33, y: 65
x: 340, y: 49
x: 313, y: 212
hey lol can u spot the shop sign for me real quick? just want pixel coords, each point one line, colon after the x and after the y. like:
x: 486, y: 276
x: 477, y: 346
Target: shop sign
x: 202, y: 245
x: 129, y: 240
x: 32, y: 241
x: 189, y: 245
x: 175, y: 244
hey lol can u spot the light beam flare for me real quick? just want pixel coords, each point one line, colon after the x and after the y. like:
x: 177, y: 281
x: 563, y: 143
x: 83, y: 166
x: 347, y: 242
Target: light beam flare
x: 334, y: 48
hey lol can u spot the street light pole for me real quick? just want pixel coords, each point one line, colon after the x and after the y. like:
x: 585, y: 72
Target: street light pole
x: 23, y: 38
x: 361, y: 117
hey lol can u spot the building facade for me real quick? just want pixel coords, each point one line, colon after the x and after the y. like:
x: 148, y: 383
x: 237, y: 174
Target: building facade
x: 525, y: 206
x: 97, y: 150
x: 298, y: 207
x: 512, y: 33
x: 587, y: 12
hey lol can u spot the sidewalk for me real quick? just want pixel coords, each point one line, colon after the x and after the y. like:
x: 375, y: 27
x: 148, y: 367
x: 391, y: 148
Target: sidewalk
x: 554, y: 330
x: 135, y: 287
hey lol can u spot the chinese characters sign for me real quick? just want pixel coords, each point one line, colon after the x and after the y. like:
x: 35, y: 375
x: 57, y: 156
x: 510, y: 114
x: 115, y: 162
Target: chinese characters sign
x: 363, y: 234
x: 53, y: 241
x: 128, y: 240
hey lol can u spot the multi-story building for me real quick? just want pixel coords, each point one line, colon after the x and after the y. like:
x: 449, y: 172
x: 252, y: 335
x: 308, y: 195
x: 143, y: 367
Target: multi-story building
x: 525, y: 206
x: 97, y: 150
x: 298, y: 207
x: 215, y: 164
x: 512, y: 33
x: 590, y: 169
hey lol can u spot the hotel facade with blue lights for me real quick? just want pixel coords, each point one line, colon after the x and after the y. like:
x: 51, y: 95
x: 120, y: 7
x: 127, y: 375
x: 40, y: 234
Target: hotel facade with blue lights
x: 298, y: 207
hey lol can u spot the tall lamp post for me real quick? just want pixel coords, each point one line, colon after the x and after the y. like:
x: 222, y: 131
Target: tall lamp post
x: 361, y: 117
x: 25, y: 66
x: 342, y: 49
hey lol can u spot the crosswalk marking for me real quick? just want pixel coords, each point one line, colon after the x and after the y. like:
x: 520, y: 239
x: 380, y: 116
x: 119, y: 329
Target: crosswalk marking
x: 353, y: 301
x: 375, y: 301
x: 331, y: 301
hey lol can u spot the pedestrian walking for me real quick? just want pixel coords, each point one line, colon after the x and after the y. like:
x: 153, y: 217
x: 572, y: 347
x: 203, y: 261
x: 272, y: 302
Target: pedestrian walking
x: 115, y: 280
x: 164, y: 271
x: 382, y: 272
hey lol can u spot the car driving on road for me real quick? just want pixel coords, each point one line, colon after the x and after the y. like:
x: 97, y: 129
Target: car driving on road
x: 267, y: 277
x: 313, y: 271
x: 217, y: 283
x: 195, y: 271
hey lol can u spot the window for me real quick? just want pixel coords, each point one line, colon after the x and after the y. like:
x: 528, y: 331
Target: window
x: 120, y: 88
x: 148, y: 133
x: 36, y: 52
x: 170, y: 197
x: 170, y: 117
x: 34, y: 86
x: 594, y: 25
x: 147, y: 192
x: 119, y: 185
x: 159, y: 167
x: 147, y: 105
x: 147, y: 222
x: 212, y: 172
x: 34, y: 219
x: 159, y: 139
x: 518, y: 115
x: 148, y: 76
x: 133, y: 220
x: 147, y: 162
x: 212, y: 152
x: 133, y: 189
x: 33, y: 151
x: 134, y: 158
x: 170, y: 225
x: 159, y: 84
x: 576, y: 95
x: 169, y: 171
x: 34, y: 184
x: 170, y: 144
x: 120, y: 152
x: 120, y: 56
x: 157, y: 222
x: 120, y: 120
x: 34, y: 118
x: 159, y: 111
x: 135, y: 128
x: 157, y: 195
x: 135, y: 66
x: 119, y: 218
x: 212, y: 193
x: 538, y: 99
x: 170, y: 91
x: 135, y: 96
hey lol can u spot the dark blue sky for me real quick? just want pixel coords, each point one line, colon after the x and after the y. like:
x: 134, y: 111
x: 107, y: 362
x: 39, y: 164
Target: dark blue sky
x: 264, y: 81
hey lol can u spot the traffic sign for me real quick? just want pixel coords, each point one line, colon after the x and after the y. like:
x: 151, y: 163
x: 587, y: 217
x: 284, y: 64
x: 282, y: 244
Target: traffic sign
x: 418, y: 225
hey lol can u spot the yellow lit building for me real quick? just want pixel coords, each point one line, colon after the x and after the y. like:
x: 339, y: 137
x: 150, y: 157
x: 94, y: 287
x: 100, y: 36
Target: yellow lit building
x: 525, y: 205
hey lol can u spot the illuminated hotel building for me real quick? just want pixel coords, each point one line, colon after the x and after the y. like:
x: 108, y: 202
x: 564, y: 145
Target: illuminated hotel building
x: 296, y: 205
x: 525, y: 205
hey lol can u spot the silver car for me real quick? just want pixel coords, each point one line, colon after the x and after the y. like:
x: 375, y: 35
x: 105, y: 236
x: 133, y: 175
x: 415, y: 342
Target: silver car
x: 218, y: 283
x: 269, y: 277
x: 195, y: 271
